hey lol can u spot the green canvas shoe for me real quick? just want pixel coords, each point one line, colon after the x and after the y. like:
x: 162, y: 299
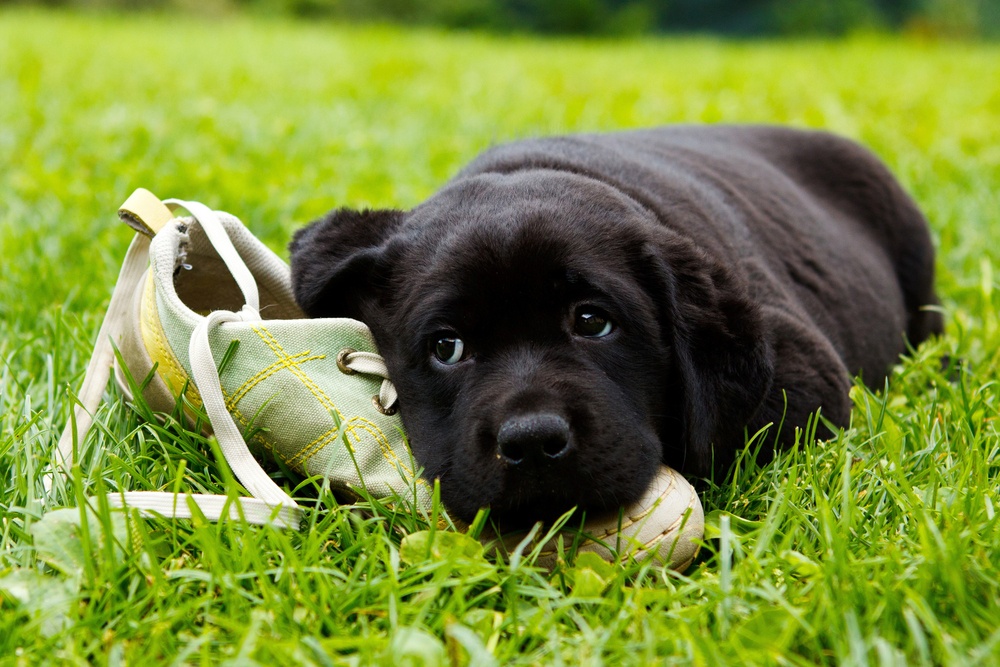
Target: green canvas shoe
x: 206, y: 312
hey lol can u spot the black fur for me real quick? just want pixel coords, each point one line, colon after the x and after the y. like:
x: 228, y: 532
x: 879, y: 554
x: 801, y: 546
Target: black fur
x: 750, y: 272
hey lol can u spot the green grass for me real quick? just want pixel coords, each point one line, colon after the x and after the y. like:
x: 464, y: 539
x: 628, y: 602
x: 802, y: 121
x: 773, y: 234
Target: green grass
x: 881, y: 547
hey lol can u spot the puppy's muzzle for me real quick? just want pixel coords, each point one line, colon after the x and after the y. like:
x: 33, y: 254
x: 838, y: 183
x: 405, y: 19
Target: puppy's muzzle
x: 533, y: 440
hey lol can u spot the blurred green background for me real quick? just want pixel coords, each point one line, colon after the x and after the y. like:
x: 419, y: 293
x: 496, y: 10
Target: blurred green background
x: 951, y: 18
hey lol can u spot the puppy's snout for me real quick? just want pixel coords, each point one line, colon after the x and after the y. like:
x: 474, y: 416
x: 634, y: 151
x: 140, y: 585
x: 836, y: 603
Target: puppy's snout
x: 534, y: 438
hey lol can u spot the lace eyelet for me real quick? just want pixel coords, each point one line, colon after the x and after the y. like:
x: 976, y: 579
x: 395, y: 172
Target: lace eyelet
x: 388, y: 412
x: 342, y: 361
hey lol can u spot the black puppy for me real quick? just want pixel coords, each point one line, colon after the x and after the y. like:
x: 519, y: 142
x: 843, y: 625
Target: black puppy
x: 568, y: 312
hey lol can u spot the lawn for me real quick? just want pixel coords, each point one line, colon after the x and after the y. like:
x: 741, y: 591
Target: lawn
x: 879, y: 547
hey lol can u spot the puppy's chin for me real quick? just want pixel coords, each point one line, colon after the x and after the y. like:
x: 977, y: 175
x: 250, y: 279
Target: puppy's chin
x: 546, y: 510
x: 514, y: 521
x: 509, y: 515
x: 518, y: 501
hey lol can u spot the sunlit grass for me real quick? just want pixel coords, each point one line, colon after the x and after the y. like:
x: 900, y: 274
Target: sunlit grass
x: 879, y: 547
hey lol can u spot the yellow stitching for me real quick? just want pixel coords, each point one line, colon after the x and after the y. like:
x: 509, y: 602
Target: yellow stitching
x: 267, y: 445
x: 284, y: 361
x: 306, y: 452
x: 351, y: 429
x: 294, y: 368
x: 254, y: 380
x: 312, y: 448
x: 387, y: 452
x: 409, y: 473
x: 158, y: 348
x: 160, y: 352
x: 383, y: 442
x: 170, y: 368
x: 394, y: 460
x: 268, y: 372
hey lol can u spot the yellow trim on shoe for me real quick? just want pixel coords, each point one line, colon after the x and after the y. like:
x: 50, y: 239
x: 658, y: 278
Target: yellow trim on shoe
x: 158, y: 348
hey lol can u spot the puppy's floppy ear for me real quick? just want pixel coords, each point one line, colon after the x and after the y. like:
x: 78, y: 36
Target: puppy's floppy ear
x: 340, y: 261
x: 722, y: 355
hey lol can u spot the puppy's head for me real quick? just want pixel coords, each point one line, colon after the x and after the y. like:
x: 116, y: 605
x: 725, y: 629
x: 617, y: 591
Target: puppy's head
x: 550, y: 340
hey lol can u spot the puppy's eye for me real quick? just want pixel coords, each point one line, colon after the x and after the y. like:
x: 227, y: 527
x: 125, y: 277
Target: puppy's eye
x: 449, y: 350
x: 592, y: 322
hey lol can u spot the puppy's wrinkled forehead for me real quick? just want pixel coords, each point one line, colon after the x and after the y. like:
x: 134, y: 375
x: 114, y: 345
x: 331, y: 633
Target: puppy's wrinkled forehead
x: 520, y: 238
x: 524, y: 225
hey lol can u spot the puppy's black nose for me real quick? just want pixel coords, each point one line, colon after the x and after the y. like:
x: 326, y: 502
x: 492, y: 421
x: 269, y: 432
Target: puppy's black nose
x: 533, y: 438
